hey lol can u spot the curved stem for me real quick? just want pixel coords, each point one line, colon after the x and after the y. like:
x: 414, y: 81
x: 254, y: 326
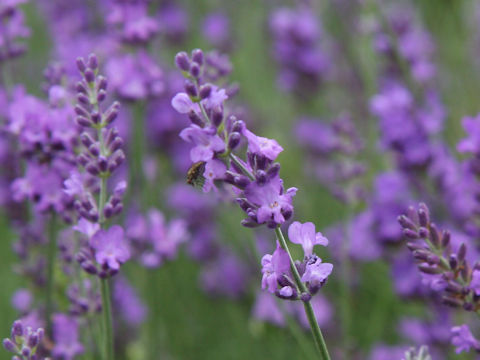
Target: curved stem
x: 107, y: 319
x: 51, y: 256
x: 312, y: 320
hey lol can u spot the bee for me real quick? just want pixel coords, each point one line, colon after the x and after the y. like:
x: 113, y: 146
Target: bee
x: 195, y: 174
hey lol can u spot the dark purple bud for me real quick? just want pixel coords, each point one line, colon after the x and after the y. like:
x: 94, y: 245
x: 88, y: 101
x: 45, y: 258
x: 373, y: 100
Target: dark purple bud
x: 205, y: 91
x: 117, y: 209
x: 182, y: 61
x: 81, y: 66
x: 86, y: 139
x: 241, y: 181
x: 423, y: 232
x: 433, y: 259
x: 233, y: 140
x: 80, y: 87
x: 238, y: 126
x: 17, y: 329
x: 423, y: 215
x: 93, y: 61
x: 190, y: 88
x: 83, y: 121
x: 82, y: 159
x: 26, y: 351
x: 89, y: 75
x: 217, y: 116
x: 428, y: 269
x: 108, y: 210
x: 413, y: 246
x: 83, y: 99
x: 9, y: 346
x: 195, y: 119
x: 94, y: 149
x: 80, y: 111
x: 261, y: 177
x: 468, y: 306
x: 421, y: 255
x: 453, y: 302
x: 462, y: 252
x: 102, y: 163
x: 32, y: 340
x: 406, y: 223
x: 116, y: 160
x: 305, y: 297
x: 96, y: 117
x: 195, y: 70
x: 261, y: 162
x: 249, y: 223
x: 453, y: 262
x: 273, y: 171
x: 102, y: 83
x: 410, y: 234
x: 454, y: 287
x: 434, y: 236
x: 89, y: 267
x: 197, y: 56
x: 116, y: 144
x: 445, y: 238
x: 92, y: 168
x: 287, y: 213
x: 101, y: 96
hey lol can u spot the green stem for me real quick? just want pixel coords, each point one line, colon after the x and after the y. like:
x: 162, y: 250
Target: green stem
x: 316, y: 332
x: 51, y: 256
x: 242, y: 167
x: 107, y: 320
x: 345, y: 292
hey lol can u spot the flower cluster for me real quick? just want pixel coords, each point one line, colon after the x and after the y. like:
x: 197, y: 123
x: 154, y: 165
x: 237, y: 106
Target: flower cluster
x: 256, y: 181
x: 101, y: 157
x: 298, y: 50
x: 446, y: 268
x: 24, y: 341
x: 277, y: 276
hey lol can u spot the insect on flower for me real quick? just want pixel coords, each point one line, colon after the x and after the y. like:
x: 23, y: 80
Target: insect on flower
x: 195, y: 174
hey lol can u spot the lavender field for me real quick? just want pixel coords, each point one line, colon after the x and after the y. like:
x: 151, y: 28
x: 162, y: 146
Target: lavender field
x: 240, y: 179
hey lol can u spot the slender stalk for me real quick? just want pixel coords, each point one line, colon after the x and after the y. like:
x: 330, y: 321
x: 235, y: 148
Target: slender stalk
x: 345, y: 292
x: 51, y: 256
x: 105, y: 290
x: 107, y: 320
x: 316, y: 332
x: 312, y: 320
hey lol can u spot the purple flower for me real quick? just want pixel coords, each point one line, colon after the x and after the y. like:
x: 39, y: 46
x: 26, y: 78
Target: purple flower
x: 470, y: 144
x: 463, y: 339
x: 111, y: 247
x: 22, y: 300
x: 206, y: 141
x: 166, y: 238
x: 214, y: 170
x: 475, y: 283
x: 183, y: 104
x: 65, y: 336
x: 267, y: 309
x: 128, y: 303
x: 216, y: 29
x: 262, y: 146
x: 273, y: 268
x: 316, y: 272
x: 304, y: 234
x: 273, y: 204
x: 135, y: 76
x: 87, y: 228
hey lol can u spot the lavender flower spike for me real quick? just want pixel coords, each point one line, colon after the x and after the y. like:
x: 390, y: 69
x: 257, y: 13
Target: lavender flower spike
x: 24, y: 341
